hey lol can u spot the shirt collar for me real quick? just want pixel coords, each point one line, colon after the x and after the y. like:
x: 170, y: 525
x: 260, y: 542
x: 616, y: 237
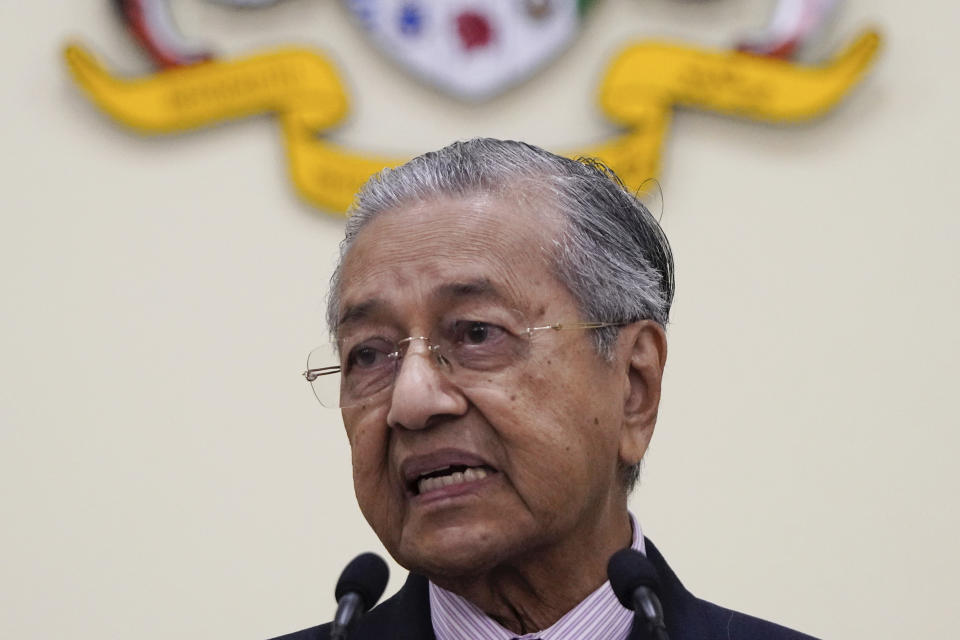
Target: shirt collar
x: 599, y: 616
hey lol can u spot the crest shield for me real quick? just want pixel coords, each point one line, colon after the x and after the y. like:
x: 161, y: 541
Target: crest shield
x: 470, y: 49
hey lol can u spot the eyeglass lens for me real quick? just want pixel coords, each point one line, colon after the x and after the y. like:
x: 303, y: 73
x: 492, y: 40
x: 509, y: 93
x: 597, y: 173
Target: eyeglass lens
x: 369, y: 364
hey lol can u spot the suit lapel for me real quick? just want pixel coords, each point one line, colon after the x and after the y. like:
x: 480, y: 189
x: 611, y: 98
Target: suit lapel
x: 681, y: 609
x: 411, y: 616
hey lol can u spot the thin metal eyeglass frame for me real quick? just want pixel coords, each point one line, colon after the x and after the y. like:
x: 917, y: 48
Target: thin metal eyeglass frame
x: 313, y: 374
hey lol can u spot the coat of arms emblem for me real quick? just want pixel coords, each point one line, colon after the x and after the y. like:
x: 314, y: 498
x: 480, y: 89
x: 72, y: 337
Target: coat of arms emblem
x: 472, y: 50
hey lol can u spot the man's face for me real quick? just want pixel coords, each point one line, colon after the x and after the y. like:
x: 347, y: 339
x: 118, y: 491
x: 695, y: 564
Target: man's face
x: 541, y: 436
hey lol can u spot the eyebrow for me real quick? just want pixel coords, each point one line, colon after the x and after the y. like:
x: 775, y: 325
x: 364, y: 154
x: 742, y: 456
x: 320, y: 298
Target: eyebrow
x: 356, y: 312
x: 477, y: 288
x: 451, y: 291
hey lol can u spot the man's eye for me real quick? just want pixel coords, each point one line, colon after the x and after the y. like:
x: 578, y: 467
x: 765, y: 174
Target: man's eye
x: 365, y: 356
x: 476, y: 332
x: 369, y: 354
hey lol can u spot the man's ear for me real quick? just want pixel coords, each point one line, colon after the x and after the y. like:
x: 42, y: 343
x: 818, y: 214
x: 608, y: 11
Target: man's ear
x: 644, y: 345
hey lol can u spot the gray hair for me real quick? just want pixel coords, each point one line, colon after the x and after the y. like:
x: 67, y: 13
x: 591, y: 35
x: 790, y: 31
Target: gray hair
x: 610, y: 252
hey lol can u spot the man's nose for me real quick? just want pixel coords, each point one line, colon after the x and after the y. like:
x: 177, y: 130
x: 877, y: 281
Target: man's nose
x: 423, y: 392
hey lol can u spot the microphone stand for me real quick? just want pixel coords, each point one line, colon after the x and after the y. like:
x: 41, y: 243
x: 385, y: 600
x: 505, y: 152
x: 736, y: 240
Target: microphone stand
x: 648, y: 614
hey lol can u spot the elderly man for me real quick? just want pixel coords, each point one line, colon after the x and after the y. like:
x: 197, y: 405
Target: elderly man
x: 498, y: 315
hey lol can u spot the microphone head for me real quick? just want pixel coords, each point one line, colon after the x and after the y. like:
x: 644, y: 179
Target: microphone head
x: 629, y: 569
x: 366, y: 575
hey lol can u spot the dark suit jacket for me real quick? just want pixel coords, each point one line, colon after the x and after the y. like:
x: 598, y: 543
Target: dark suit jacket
x: 406, y: 616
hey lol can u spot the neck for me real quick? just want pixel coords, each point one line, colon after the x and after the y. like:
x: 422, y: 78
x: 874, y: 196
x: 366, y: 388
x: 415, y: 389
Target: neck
x: 531, y: 593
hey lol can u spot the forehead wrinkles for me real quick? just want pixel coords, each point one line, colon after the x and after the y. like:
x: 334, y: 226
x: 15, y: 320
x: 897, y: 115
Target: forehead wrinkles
x: 420, y: 247
x: 416, y: 277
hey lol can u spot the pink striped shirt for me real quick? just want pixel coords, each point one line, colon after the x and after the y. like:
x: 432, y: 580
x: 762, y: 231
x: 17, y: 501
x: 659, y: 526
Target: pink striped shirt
x: 599, y: 616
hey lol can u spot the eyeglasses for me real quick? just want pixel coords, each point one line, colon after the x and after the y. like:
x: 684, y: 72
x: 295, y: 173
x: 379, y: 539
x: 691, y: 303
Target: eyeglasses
x: 356, y: 370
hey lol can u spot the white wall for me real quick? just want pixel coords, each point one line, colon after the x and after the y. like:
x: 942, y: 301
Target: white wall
x: 165, y: 472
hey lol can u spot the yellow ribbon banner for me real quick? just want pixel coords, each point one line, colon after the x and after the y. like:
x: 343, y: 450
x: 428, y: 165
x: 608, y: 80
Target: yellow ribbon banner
x: 639, y: 91
x: 289, y: 80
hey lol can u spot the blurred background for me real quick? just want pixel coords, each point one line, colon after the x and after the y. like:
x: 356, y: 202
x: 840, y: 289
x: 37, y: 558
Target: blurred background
x: 166, y: 472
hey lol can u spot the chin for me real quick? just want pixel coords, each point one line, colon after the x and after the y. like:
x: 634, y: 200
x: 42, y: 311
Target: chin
x: 456, y: 553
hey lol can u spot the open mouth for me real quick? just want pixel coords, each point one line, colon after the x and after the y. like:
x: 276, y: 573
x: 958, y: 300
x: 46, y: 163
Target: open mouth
x: 448, y: 476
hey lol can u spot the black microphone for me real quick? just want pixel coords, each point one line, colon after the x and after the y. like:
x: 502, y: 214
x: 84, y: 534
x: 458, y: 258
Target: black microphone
x: 360, y: 586
x: 635, y: 581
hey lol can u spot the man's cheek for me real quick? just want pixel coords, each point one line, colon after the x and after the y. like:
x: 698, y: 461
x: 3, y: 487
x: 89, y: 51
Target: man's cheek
x: 375, y: 496
x: 367, y: 445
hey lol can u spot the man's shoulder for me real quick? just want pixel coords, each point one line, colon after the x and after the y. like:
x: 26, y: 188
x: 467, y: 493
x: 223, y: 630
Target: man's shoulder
x: 726, y: 624
x: 691, y: 618
x: 404, y: 615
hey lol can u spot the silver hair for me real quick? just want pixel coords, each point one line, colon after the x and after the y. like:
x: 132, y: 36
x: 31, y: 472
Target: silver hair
x: 610, y: 252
